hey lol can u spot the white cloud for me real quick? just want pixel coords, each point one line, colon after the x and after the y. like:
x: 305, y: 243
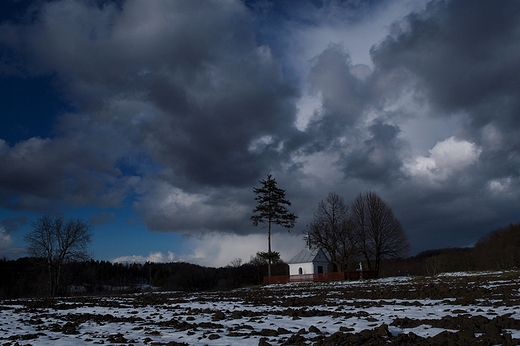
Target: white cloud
x: 445, y: 159
x: 218, y: 250
x: 453, y: 154
x: 259, y: 144
x: 5, y: 239
x: 313, y: 173
x: 492, y: 137
x: 338, y: 26
x: 308, y: 105
x: 6, y: 243
x: 500, y: 186
x: 154, y: 257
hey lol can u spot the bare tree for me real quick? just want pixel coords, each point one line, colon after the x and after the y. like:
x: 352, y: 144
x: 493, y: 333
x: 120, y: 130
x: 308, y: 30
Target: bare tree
x: 331, y: 230
x: 57, y: 242
x: 379, y: 234
x: 271, y: 209
x: 235, y: 263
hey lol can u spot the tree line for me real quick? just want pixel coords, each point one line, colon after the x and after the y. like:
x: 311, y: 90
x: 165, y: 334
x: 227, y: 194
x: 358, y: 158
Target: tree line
x: 24, y: 277
x: 27, y: 277
x: 496, y: 250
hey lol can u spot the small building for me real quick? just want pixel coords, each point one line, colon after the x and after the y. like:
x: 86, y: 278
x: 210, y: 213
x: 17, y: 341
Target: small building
x: 309, y: 261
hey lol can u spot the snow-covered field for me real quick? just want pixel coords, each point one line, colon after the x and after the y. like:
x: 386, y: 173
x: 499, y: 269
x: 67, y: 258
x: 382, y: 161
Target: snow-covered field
x: 482, y: 307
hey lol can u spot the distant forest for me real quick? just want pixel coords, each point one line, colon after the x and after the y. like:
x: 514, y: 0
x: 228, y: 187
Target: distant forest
x: 26, y: 277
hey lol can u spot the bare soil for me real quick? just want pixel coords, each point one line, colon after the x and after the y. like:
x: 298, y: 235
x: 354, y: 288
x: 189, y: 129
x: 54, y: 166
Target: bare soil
x: 465, y: 325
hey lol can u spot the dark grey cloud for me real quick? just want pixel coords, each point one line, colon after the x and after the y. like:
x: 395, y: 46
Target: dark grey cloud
x: 212, y: 142
x: 13, y: 224
x: 166, y: 208
x: 371, y: 151
x: 452, y: 60
x: 344, y: 95
x: 436, y: 218
x: 464, y: 56
x: 377, y: 158
x: 461, y: 59
x: 181, y: 106
x: 185, y: 83
x: 344, y: 99
x: 40, y: 174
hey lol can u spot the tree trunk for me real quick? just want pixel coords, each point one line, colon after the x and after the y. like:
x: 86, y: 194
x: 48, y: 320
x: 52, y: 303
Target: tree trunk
x: 367, y: 258
x: 269, y: 248
x: 376, y: 268
x: 51, y: 280
x: 57, y: 282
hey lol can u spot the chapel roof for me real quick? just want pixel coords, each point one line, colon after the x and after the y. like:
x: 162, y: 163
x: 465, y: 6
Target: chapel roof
x: 309, y: 255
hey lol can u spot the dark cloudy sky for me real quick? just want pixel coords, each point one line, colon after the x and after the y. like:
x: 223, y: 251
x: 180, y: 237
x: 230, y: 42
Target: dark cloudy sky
x: 155, y: 119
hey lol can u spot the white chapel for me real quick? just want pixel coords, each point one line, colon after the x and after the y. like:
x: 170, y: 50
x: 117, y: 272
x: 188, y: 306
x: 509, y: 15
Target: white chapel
x: 309, y: 261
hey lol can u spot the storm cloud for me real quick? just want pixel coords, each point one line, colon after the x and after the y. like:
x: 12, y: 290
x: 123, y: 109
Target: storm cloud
x: 178, y: 108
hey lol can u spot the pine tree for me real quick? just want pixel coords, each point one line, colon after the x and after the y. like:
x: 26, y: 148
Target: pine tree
x: 271, y: 209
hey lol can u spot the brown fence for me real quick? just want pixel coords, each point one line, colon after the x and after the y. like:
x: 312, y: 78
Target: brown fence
x: 321, y: 277
x: 356, y: 275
